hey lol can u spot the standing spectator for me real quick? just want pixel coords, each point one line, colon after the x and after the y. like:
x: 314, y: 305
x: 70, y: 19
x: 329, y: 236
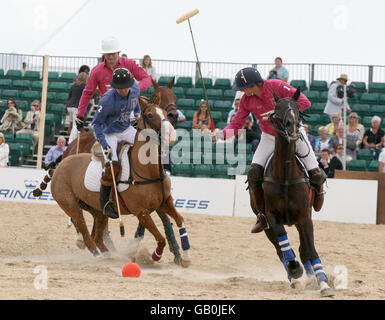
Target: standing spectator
x: 55, y: 151
x: 374, y: 137
x: 84, y: 68
x: 4, y: 152
x: 355, y: 128
x: 323, y: 141
x: 351, y: 145
x: 73, y: 102
x: 202, y: 119
x: 335, y: 104
x: 324, y: 161
x: 310, y: 137
x: 332, y: 127
x: 12, y: 118
x: 381, y: 161
x: 148, y: 67
x: 234, y: 110
x: 336, y: 163
x: 101, y: 75
x: 31, y: 122
x: 279, y: 71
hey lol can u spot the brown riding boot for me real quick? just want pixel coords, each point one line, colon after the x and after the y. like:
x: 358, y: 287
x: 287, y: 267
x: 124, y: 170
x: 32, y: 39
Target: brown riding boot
x: 257, y: 201
x: 317, y: 177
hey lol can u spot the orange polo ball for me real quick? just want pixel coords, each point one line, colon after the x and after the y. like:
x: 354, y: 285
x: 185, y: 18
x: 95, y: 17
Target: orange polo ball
x: 131, y: 270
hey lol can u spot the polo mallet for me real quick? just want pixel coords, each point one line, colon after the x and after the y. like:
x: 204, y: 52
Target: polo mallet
x: 187, y: 17
x: 117, y: 201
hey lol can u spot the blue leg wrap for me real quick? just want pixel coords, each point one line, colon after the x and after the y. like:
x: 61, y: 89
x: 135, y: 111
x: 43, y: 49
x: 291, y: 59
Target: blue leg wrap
x: 319, y: 272
x: 285, y: 263
x: 309, y: 268
x: 286, y: 249
x: 184, y: 238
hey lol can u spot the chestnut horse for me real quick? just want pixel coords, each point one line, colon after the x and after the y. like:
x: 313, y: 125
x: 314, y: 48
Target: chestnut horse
x: 149, y: 192
x: 87, y: 140
x: 288, y: 197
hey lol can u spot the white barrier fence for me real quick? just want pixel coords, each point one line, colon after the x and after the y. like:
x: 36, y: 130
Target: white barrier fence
x: 345, y: 200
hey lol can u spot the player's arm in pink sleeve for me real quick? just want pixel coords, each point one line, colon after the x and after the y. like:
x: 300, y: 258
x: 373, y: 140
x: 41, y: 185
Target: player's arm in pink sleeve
x: 237, y: 122
x: 87, y: 94
x: 285, y: 90
x: 140, y: 75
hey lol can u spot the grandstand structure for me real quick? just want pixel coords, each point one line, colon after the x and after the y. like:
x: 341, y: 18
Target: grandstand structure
x: 20, y: 79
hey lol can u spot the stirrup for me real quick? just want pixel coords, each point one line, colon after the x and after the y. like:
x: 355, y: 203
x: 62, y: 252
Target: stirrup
x: 263, y: 225
x: 111, y: 214
x: 263, y: 216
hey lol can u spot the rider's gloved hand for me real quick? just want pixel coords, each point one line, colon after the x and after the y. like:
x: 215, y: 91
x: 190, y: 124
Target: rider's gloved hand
x: 107, y: 151
x: 79, y: 122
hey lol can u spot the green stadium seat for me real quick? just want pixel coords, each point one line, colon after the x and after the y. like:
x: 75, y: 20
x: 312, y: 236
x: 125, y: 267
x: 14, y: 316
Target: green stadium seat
x: 216, y: 116
x: 317, y: 107
x: 31, y: 75
x: 21, y: 84
x: 360, y: 86
x: 23, y: 105
x: 378, y: 110
x: 178, y: 91
x: 221, y: 171
x: 313, y: 129
x: 37, y: 85
x: 312, y: 119
x: 182, y: 169
x: 323, y: 97
x: 214, y: 93
x: 195, y: 93
x: 373, y: 166
x: 5, y: 83
x: 184, y: 103
x: 203, y: 170
x: 14, y: 154
x: 189, y: 114
x: 53, y: 76
x: 367, y: 122
x: 220, y: 125
x: 30, y: 95
x: 369, y: 98
x: 208, y: 82
x: 68, y: 77
x: 164, y: 81
x: 9, y: 137
x: 60, y: 97
x: 324, y: 119
x: 377, y: 87
x: 184, y: 125
x: 318, y: 85
x: 2, y: 73
x: 299, y: 83
x: 223, y: 84
x: 365, y: 154
x: 52, y: 96
x: 356, y: 165
x: 9, y: 93
x: 222, y: 105
x: 361, y: 109
x: 381, y: 99
x: 185, y: 82
x: 313, y: 96
x: 3, y: 103
x: 57, y: 86
x: 13, y: 74
x: 229, y: 94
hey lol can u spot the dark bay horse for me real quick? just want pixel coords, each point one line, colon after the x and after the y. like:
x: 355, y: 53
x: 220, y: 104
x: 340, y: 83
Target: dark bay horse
x: 87, y: 140
x: 288, y: 197
x: 140, y: 199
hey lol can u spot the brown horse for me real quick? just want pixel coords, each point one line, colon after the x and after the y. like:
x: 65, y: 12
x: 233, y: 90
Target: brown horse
x: 141, y: 198
x: 288, y: 197
x: 87, y: 140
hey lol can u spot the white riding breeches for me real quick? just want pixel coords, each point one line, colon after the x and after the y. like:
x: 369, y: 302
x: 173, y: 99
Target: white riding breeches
x: 302, y: 147
x: 74, y: 131
x: 114, y: 138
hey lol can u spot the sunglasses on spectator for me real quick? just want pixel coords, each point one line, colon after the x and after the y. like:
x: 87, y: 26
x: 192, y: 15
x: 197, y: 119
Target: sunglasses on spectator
x: 35, y: 105
x: 340, y: 148
x: 353, y: 117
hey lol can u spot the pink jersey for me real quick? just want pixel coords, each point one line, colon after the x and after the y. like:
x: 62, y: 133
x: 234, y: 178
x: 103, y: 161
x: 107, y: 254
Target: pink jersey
x: 261, y: 107
x: 101, y: 76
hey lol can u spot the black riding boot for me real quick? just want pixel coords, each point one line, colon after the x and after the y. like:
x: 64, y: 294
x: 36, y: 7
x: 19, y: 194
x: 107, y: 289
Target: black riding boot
x: 105, y: 204
x: 257, y: 201
x: 317, y: 177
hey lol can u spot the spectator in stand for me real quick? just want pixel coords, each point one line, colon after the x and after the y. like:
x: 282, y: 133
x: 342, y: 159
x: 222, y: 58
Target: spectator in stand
x: 332, y: 127
x: 381, y: 161
x: 323, y: 141
x: 148, y: 67
x: 253, y: 136
x: 351, y: 145
x: 124, y: 55
x: 324, y: 160
x: 232, y: 112
x: 202, y: 119
x: 73, y: 102
x: 335, y: 104
x: 374, y: 137
x: 181, y: 116
x: 12, y: 118
x: 310, y: 137
x: 101, y: 75
x: 84, y: 68
x: 355, y: 128
x: 55, y: 151
x: 31, y: 122
x: 4, y: 152
x: 279, y: 71
x: 336, y: 163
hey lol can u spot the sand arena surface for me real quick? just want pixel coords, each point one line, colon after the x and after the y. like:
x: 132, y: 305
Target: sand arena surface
x: 228, y: 262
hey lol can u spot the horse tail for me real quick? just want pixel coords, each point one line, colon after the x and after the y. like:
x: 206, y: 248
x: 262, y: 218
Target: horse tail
x: 47, y: 178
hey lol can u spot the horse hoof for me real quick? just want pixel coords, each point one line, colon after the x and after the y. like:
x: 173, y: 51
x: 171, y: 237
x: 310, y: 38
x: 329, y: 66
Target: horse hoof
x: 295, y: 270
x: 80, y: 244
x: 185, y: 263
x: 177, y: 261
x: 327, y: 292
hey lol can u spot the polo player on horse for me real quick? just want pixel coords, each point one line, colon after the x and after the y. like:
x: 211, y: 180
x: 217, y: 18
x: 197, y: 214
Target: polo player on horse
x: 259, y: 99
x: 111, y: 125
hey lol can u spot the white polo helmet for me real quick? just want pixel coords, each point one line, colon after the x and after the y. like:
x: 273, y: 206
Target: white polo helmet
x: 110, y: 45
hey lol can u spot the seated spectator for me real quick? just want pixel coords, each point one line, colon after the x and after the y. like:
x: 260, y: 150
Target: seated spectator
x: 2, y: 111
x: 4, y: 152
x: 335, y: 104
x: 55, y: 151
x: 323, y: 141
x: 146, y: 64
x: 253, y: 135
x: 374, y: 137
x: 336, y: 163
x: 233, y: 111
x: 12, y: 118
x: 202, y: 119
x: 279, y: 71
x: 324, y: 161
x: 332, y: 127
x: 355, y: 128
x: 181, y: 116
x: 351, y: 145
x: 310, y: 137
x: 32, y: 121
x: 84, y: 68
x: 381, y: 161
x: 123, y: 55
